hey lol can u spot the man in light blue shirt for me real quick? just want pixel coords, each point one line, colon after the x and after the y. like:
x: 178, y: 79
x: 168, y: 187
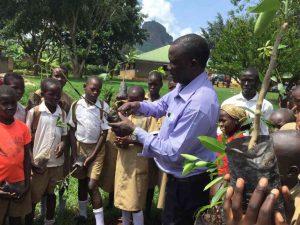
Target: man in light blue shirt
x: 191, y: 110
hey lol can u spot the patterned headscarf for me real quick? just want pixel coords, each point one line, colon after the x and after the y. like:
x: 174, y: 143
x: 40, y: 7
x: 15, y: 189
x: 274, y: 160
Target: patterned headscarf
x: 235, y: 112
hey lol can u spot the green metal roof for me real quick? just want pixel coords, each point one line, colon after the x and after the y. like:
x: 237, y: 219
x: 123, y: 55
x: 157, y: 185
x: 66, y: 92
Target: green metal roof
x: 156, y: 55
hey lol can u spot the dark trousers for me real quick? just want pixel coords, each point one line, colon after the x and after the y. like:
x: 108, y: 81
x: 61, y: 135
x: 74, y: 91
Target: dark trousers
x: 184, y: 196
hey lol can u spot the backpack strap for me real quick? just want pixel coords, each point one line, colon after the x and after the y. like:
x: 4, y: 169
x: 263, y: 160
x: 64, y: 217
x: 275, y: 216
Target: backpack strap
x: 73, y: 111
x: 101, y: 111
x: 35, y: 121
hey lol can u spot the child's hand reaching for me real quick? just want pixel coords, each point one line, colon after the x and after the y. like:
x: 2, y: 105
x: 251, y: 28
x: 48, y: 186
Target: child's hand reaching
x: 88, y: 161
x: 59, y: 149
x: 7, y: 195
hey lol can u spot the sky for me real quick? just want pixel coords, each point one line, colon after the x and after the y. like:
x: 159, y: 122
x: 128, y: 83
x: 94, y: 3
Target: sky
x: 184, y: 16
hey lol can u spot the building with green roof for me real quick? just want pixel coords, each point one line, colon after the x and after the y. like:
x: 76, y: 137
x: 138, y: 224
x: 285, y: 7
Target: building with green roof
x: 146, y: 62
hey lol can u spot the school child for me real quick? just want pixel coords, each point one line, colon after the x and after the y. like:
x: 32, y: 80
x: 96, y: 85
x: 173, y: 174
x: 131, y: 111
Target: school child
x: 88, y: 132
x: 281, y: 117
x: 131, y: 179
x: 14, y: 160
x: 47, y: 123
x: 16, y: 81
x: 35, y: 98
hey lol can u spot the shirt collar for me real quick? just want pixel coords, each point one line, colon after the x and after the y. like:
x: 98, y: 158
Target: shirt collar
x: 43, y: 108
x: 83, y: 102
x: 185, y: 92
x: 240, y: 96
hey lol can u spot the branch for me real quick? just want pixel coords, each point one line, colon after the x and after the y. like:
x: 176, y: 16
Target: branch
x: 265, y: 86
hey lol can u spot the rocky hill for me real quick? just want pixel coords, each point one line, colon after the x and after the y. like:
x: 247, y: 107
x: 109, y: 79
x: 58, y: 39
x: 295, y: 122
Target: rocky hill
x: 157, y: 37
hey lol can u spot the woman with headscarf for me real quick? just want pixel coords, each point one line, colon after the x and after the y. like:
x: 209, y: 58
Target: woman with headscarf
x: 231, y: 121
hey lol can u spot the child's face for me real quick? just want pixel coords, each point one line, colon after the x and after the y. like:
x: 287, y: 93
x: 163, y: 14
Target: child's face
x: 92, y: 90
x: 58, y: 75
x: 19, y: 87
x: 227, y: 124
x: 135, y: 97
x: 154, y: 85
x: 8, y: 106
x: 52, y: 95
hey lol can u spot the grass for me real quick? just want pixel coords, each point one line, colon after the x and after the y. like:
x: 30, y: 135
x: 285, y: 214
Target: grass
x: 66, y: 217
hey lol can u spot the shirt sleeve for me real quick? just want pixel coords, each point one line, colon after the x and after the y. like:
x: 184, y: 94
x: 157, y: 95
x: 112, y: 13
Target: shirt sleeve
x: 104, y: 124
x: 183, y: 139
x: 70, y: 116
x: 156, y: 109
x: 29, y: 119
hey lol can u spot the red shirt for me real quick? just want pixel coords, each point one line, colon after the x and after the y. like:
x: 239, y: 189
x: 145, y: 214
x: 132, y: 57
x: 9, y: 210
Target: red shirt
x: 223, y: 169
x: 13, y: 137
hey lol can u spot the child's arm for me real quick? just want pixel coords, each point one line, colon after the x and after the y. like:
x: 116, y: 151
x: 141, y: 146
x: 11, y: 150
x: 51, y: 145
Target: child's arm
x: 73, y: 143
x: 97, y: 149
x: 61, y: 146
x: 27, y: 165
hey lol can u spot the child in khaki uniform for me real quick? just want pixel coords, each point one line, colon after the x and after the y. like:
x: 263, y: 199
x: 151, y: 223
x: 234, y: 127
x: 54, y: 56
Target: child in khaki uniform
x: 131, y: 180
x: 88, y: 135
x: 47, y: 123
x: 14, y: 160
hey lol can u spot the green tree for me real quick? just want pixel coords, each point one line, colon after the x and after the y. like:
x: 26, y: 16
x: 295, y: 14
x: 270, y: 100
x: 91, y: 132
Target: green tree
x: 87, y: 26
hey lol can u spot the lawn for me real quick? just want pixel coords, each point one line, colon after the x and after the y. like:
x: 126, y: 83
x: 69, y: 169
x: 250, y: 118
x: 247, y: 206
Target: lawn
x: 66, y: 218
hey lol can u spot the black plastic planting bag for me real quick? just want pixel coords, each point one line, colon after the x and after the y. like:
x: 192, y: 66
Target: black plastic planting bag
x: 253, y: 164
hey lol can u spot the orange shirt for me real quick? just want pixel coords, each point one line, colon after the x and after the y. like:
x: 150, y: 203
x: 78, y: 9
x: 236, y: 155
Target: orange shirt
x: 13, y: 137
x: 223, y: 169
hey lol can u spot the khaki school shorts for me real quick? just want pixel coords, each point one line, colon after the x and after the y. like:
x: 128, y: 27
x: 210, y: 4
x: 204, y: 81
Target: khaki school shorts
x: 96, y: 166
x: 15, y: 208
x: 45, y: 183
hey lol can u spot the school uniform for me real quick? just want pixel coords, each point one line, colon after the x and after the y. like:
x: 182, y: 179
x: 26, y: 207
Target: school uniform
x: 89, y: 126
x: 47, y: 136
x: 107, y: 177
x: 131, y: 179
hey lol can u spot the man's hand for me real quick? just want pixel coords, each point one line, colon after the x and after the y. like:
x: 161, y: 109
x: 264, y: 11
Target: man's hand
x: 129, y: 108
x: 260, y: 208
x: 7, y: 195
x: 59, y: 149
x: 125, y: 125
x: 123, y: 141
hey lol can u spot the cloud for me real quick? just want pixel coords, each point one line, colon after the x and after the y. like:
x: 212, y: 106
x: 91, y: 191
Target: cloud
x: 161, y: 11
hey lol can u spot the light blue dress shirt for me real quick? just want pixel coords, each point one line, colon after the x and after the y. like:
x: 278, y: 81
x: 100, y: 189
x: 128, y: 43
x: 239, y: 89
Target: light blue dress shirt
x: 190, y: 111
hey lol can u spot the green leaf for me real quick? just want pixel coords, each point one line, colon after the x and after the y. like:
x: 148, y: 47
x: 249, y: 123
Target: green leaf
x: 219, y: 158
x: 263, y: 20
x: 281, y: 46
x: 248, y: 121
x: 212, y: 144
x: 218, y: 195
x: 273, y: 78
x: 247, y: 109
x: 281, y: 89
x: 204, y: 208
x: 265, y: 6
x: 201, y: 164
x: 189, y: 157
x: 214, y: 181
x: 211, y: 170
x: 261, y: 77
x: 287, y: 76
x: 187, y: 168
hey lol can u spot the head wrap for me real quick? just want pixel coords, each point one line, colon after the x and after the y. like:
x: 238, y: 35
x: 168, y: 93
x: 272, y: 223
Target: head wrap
x: 235, y: 112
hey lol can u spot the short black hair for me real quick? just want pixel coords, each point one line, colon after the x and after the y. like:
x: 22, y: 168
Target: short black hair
x: 7, y: 90
x: 252, y: 70
x: 140, y: 90
x: 156, y: 74
x: 195, y: 47
x: 93, y: 77
x: 8, y: 77
x: 46, y: 83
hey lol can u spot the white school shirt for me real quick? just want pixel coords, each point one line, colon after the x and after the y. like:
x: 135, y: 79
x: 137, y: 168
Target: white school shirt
x: 89, y: 124
x: 48, y: 134
x: 267, y: 108
x: 20, y: 113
